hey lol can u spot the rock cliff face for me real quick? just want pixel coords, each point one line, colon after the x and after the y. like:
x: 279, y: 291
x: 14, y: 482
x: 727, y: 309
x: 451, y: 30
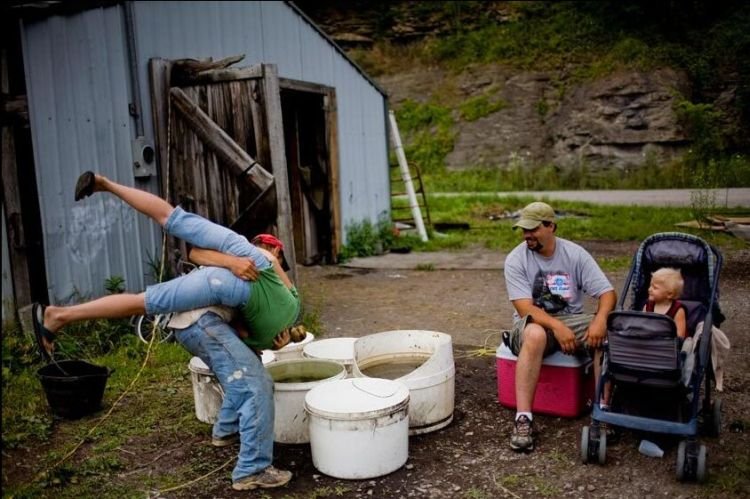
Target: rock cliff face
x: 615, y: 122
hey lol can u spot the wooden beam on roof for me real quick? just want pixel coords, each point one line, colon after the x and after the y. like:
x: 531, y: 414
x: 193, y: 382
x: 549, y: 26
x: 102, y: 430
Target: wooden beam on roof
x: 219, y: 75
x: 219, y: 141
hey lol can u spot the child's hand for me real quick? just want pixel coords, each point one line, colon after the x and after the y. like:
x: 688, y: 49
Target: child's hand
x: 281, y: 340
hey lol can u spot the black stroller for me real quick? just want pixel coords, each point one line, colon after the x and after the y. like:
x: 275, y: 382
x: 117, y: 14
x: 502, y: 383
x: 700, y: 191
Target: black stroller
x: 654, y: 386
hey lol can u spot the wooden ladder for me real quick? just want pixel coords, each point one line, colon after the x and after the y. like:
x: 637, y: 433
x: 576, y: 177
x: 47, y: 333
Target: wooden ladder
x: 400, y: 210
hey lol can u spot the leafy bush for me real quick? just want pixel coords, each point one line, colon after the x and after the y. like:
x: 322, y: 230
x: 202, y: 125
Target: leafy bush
x: 366, y: 239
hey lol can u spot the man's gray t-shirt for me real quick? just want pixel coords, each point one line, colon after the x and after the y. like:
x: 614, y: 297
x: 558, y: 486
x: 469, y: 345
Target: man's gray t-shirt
x: 569, y: 273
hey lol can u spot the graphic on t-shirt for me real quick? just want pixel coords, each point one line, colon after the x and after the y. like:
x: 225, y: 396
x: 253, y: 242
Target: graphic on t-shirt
x: 551, y: 291
x: 559, y: 284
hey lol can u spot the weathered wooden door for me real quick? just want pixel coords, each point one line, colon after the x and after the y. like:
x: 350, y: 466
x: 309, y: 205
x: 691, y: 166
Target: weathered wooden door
x: 221, y: 147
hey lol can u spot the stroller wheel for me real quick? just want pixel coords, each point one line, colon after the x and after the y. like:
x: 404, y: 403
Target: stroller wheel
x: 701, y: 471
x: 602, y: 454
x: 715, y: 428
x: 682, y: 472
x: 585, y: 444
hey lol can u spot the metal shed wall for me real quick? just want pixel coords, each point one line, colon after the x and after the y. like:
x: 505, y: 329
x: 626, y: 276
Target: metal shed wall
x: 273, y: 32
x: 77, y: 81
x: 76, y: 77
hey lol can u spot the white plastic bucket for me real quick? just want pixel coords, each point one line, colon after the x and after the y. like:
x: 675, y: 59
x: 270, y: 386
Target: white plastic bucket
x: 207, y: 391
x: 292, y: 380
x: 339, y: 350
x: 359, y: 427
x: 293, y: 350
x: 423, y: 361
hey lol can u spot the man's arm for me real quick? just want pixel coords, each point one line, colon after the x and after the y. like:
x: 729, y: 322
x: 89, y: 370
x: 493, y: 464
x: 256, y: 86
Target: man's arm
x: 563, y: 334
x: 242, y: 267
x: 597, y: 330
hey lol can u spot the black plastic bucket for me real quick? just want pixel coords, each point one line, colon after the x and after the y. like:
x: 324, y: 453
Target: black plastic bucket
x: 75, y: 388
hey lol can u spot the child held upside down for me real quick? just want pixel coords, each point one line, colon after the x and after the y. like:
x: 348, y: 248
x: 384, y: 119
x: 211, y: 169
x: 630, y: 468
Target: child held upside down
x: 269, y: 305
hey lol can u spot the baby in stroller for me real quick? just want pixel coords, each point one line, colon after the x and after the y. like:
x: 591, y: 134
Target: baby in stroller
x: 643, y: 361
x: 663, y: 293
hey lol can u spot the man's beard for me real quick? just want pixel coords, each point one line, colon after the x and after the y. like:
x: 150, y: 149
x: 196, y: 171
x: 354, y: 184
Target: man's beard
x: 537, y: 247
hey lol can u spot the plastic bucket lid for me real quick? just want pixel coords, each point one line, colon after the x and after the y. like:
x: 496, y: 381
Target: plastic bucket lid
x: 357, y: 398
x: 338, y: 349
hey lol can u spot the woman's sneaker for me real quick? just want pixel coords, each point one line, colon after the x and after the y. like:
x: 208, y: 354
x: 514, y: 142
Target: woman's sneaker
x: 266, y: 479
x: 523, y: 434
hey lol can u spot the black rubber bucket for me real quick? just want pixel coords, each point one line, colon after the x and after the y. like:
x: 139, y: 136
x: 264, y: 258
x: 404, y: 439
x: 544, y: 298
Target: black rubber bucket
x: 75, y: 388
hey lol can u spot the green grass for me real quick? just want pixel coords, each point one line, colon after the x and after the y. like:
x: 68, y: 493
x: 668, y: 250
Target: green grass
x: 491, y: 227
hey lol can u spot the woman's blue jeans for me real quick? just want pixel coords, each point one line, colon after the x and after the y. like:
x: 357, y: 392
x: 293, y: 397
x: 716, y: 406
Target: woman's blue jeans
x: 248, y: 406
x: 207, y: 285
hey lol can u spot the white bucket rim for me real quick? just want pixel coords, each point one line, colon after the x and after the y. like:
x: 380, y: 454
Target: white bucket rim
x: 339, y: 349
x: 293, y: 347
x: 303, y: 386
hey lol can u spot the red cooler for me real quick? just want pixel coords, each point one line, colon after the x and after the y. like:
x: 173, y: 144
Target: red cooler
x: 565, y: 387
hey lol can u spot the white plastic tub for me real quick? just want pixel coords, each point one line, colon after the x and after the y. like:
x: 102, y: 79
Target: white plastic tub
x: 359, y: 427
x: 339, y: 350
x: 293, y: 350
x: 207, y: 391
x: 423, y: 361
x: 292, y: 380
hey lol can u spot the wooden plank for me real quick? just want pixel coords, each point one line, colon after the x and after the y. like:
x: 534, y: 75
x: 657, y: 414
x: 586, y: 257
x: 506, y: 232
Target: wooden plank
x: 272, y: 103
x: 291, y: 142
x: 198, y: 160
x: 259, y: 124
x: 216, y: 196
x: 222, y: 75
x: 304, y: 86
x: 17, y: 243
x: 218, y: 140
x: 332, y: 143
x: 159, y: 71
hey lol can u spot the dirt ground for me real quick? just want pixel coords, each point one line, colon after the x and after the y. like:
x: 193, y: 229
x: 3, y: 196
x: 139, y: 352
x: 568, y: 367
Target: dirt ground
x: 471, y: 458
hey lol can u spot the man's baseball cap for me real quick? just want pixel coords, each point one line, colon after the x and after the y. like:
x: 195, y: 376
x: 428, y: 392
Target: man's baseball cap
x: 532, y: 215
x: 274, y: 242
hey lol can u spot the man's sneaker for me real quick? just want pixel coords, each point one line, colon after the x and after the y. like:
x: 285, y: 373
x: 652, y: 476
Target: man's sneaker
x: 523, y: 434
x: 225, y: 440
x: 266, y: 479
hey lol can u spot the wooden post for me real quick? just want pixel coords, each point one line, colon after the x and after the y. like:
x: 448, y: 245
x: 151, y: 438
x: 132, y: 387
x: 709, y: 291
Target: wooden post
x: 332, y: 143
x: 17, y: 243
x: 218, y: 140
x: 159, y: 72
x: 272, y: 105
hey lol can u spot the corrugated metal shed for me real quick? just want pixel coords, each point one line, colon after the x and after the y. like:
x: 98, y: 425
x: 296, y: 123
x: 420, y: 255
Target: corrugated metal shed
x: 77, y: 78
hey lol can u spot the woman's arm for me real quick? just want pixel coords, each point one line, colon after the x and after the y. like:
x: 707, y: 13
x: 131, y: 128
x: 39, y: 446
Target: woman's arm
x: 242, y: 267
